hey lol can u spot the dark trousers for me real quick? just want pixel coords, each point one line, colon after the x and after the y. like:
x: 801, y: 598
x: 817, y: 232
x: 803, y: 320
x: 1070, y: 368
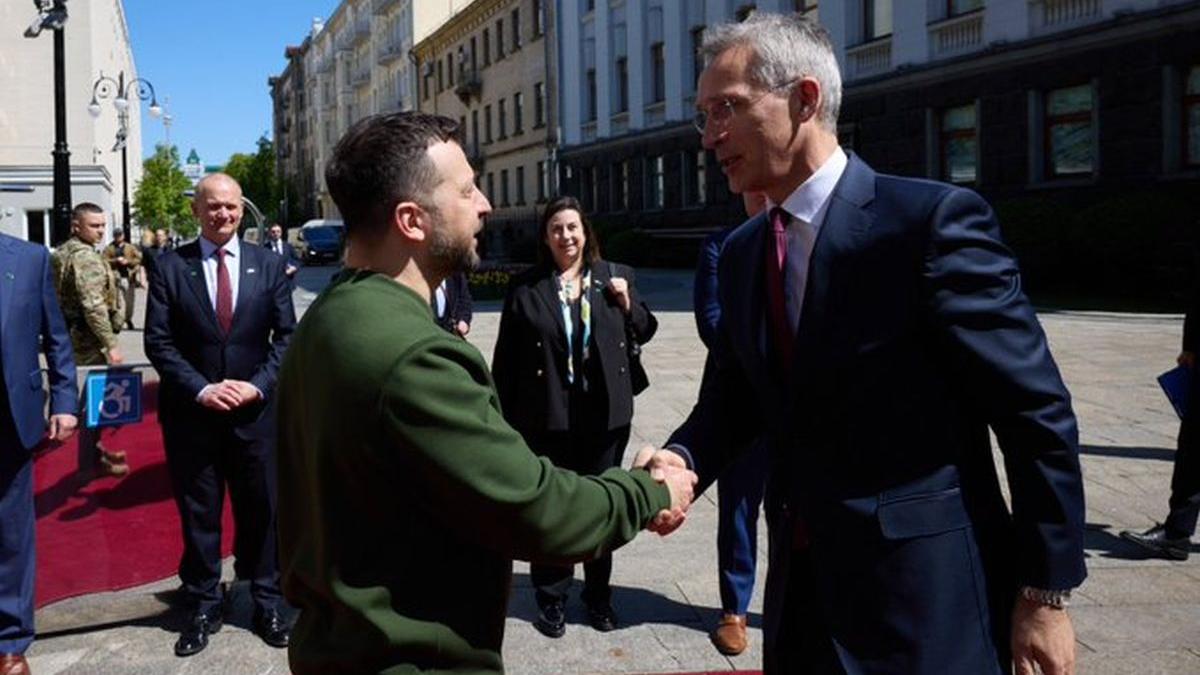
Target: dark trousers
x: 588, y: 453
x: 202, y: 462
x: 795, y: 638
x: 16, y: 541
x: 1185, y: 479
x: 739, y: 496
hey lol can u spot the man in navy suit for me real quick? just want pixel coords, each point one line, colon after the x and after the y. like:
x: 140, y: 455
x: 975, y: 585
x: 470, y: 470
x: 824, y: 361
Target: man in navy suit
x: 30, y: 322
x: 277, y: 245
x: 218, y: 319
x: 874, y: 328
x: 452, y: 304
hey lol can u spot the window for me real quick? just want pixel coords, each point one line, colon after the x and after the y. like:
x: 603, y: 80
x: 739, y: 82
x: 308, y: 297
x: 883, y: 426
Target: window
x: 539, y: 105
x: 805, y: 6
x: 539, y: 18
x: 620, y: 186
x: 503, y: 112
x: 696, y: 178
x: 441, y: 82
x: 518, y: 113
x: 487, y: 124
x: 450, y: 67
x: 475, y: 127
x: 1069, y: 137
x: 36, y: 226
x: 658, y: 73
x: 516, y: 28
x: 474, y: 55
x: 877, y: 19
x: 622, y: 85
x: 958, y: 143
x: 491, y: 184
x: 504, y: 187
x: 499, y: 39
x: 426, y: 82
x: 697, y: 53
x: 590, y: 93
x: 543, y: 190
x: 1191, y: 118
x: 520, y: 185
x: 589, y: 5
x: 957, y: 7
x: 487, y: 47
x: 654, y: 182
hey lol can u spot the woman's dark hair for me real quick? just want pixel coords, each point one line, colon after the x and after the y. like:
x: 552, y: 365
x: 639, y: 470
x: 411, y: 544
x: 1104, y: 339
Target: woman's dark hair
x: 591, y: 247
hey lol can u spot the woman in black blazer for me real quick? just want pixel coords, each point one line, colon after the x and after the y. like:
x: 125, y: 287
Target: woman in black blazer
x: 573, y: 404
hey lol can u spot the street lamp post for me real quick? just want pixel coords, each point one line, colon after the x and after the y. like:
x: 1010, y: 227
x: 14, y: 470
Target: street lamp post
x: 52, y: 15
x: 137, y: 89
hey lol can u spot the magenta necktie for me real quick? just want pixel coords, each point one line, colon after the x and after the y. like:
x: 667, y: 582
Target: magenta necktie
x: 781, y: 333
x: 224, y: 294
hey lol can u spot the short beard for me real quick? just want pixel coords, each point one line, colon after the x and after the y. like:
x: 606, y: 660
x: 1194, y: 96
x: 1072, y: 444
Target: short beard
x: 449, y: 256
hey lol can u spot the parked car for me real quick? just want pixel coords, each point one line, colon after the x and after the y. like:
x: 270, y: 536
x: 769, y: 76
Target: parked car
x: 320, y: 241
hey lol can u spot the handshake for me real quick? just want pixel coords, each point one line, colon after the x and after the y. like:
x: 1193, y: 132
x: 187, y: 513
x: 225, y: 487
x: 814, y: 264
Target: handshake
x: 671, y: 470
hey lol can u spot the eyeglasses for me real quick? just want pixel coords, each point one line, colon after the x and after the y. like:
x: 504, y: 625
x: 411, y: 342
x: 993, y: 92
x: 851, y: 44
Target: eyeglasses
x: 721, y: 112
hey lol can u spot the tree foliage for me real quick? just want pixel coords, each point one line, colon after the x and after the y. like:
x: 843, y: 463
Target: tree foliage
x: 256, y: 174
x: 159, y: 200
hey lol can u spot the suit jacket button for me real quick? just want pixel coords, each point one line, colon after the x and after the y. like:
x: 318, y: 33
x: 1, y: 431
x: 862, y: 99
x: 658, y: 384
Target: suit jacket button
x: 539, y: 343
x: 621, y: 344
x: 539, y: 374
x: 622, y: 369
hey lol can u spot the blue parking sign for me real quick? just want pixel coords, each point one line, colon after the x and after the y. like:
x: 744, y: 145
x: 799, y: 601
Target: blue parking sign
x: 114, y: 397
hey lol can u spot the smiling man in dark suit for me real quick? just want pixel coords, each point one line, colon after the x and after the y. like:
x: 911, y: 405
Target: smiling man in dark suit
x: 873, y: 328
x: 30, y: 322
x: 218, y: 320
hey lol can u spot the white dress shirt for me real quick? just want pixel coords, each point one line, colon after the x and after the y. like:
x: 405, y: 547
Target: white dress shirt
x: 233, y: 263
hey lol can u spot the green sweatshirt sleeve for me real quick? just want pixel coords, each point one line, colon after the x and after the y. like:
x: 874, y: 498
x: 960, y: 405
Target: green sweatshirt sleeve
x: 440, y: 407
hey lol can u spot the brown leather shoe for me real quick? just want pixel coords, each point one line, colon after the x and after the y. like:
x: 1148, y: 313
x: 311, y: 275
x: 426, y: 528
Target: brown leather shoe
x: 729, y: 637
x: 114, y: 456
x: 13, y: 664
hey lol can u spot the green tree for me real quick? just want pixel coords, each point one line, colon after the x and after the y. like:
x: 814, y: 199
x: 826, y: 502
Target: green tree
x: 256, y: 174
x: 159, y: 200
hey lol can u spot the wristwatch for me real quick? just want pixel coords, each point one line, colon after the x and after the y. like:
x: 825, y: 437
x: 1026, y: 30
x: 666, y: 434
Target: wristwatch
x: 1054, y: 599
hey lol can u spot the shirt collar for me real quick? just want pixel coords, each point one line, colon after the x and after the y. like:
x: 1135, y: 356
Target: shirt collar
x: 232, y: 247
x: 806, y: 201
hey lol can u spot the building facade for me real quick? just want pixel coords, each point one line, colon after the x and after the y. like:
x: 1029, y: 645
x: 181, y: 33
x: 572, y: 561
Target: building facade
x: 96, y: 42
x: 491, y: 67
x: 1027, y: 101
x: 355, y: 63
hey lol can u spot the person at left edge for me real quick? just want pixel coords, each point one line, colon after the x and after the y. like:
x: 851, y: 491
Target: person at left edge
x: 218, y: 319
x: 30, y: 322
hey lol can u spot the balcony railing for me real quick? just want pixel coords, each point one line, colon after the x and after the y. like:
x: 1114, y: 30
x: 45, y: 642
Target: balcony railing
x: 870, y: 58
x: 1046, y: 15
x: 360, y: 76
x: 956, y: 34
x: 324, y: 65
x: 655, y: 114
x: 469, y: 84
x: 360, y: 32
x: 383, y: 6
x: 389, y: 52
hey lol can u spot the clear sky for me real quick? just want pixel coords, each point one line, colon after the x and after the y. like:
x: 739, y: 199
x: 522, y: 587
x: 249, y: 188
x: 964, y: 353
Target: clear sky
x: 213, y: 58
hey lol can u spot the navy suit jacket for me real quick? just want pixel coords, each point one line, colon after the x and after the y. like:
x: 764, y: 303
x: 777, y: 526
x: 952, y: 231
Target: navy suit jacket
x: 30, y: 322
x: 458, y: 302
x: 914, y: 339
x: 185, y: 344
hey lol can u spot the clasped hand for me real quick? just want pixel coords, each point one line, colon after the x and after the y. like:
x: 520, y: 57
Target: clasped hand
x: 671, y: 470
x: 228, y: 394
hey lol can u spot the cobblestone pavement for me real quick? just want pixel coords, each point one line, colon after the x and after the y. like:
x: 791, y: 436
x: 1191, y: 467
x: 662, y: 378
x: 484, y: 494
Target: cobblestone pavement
x: 1133, y: 615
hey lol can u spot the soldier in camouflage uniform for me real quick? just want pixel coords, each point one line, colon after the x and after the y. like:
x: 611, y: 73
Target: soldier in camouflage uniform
x: 91, y: 304
x: 125, y: 260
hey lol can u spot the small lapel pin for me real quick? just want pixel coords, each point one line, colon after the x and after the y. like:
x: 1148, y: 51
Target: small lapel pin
x: 250, y: 270
x: 192, y: 272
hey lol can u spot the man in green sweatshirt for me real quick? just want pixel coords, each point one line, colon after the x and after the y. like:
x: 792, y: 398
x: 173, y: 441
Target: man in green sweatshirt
x: 403, y: 494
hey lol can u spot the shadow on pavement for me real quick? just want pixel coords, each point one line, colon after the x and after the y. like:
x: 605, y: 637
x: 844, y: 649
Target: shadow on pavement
x: 1101, y: 541
x: 634, y: 607
x: 1161, y: 454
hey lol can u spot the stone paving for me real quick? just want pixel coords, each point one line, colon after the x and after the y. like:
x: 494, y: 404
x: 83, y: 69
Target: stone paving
x: 1133, y: 614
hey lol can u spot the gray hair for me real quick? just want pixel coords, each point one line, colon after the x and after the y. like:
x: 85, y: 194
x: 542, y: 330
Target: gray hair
x: 785, y: 47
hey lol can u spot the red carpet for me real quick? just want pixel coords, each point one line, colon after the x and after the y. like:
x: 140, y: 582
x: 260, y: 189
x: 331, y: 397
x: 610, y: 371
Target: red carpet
x: 111, y: 533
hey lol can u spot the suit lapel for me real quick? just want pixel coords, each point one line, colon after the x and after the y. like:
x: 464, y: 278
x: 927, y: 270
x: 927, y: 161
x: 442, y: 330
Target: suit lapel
x: 194, y: 278
x: 846, y: 224
x: 547, y: 291
x: 8, y: 279
x: 249, y: 273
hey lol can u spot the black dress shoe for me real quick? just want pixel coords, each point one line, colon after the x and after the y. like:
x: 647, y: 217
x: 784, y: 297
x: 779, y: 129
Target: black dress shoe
x: 271, y: 627
x: 551, y: 621
x: 602, y: 618
x: 1156, y: 540
x: 194, y: 638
